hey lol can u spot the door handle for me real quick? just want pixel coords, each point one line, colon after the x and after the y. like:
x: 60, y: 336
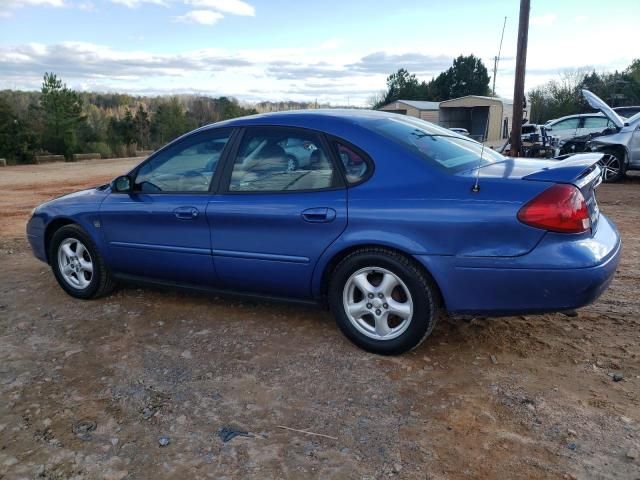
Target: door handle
x: 319, y: 215
x: 186, y: 213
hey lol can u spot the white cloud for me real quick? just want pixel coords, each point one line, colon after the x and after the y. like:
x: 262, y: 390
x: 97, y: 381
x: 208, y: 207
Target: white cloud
x: 544, y: 20
x: 581, y: 19
x: 7, y: 6
x: 330, y: 44
x: 24, y: 3
x: 203, y: 17
x: 233, y: 7
x: 137, y: 3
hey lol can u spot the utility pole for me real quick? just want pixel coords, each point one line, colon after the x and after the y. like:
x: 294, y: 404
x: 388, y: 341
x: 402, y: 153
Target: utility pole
x: 496, y: 60
x: 521, y: 66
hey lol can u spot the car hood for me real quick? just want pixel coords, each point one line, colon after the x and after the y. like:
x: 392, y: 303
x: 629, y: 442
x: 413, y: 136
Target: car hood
x: 90, y: 195
x: 599, y: 104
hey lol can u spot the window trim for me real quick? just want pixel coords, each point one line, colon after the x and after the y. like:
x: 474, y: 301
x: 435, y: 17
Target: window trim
x: 189, y: 137
x: 225, y: 179
x: 371, y: 166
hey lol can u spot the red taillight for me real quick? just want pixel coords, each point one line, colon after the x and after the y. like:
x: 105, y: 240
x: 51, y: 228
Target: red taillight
x: 561, y: 208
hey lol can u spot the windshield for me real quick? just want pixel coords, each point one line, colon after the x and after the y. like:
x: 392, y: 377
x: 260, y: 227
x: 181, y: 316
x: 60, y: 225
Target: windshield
x: 436, y: 144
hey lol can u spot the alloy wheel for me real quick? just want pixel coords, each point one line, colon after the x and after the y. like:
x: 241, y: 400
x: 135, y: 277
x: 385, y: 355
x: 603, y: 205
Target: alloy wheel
x: 75, y: 263
x: 610, y: 165
x: 378, y: 303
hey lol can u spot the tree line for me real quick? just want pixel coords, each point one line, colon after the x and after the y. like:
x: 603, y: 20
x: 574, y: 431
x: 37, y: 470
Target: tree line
x: 563, y: 96
x: 59, y: 120
x: 557, y: 98
x: 466, y: 76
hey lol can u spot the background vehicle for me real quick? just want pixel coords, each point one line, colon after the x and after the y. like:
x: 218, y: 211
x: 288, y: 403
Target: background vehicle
x: 571, y: 126
x: 461, y: 131
x: 392, y: 222
x: 298, y: 152
x: 627, y: 112
x: 621, y: 145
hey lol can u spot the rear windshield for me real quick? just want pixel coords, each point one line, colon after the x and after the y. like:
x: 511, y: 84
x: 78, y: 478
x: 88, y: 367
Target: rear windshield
x: 435, y: 144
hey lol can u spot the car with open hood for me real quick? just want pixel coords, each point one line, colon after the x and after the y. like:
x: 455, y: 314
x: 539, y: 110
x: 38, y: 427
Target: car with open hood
x: 620, y: 146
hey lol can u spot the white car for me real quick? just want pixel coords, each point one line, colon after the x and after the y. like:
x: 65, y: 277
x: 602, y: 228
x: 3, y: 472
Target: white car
x: 460, y: 131
x: 621, y: 146
x: 572, y: 126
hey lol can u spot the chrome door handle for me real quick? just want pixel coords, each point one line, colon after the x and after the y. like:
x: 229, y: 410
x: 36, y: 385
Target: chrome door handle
x: 319, y: 215
x: 186, y: 213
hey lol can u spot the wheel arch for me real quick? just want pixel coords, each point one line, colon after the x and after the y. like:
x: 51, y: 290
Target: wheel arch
x: 52, y: 227
x: 619, y: 148
x: 337, y: 256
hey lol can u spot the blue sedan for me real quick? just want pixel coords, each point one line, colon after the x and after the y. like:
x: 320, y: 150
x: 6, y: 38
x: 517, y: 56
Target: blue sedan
x: 388, y: 220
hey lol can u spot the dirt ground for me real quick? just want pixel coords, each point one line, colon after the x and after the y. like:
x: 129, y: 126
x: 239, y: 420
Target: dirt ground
x: 517, y: 397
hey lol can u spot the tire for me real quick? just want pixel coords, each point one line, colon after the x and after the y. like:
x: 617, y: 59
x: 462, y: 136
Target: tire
x: 613, y: 165
x: 414, y: 292
x: 292, y: 163
x: 71, y: 253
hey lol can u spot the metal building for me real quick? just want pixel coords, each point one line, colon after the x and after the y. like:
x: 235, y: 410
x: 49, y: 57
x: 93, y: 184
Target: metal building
x: 428, y: 111
x: 486, y: 118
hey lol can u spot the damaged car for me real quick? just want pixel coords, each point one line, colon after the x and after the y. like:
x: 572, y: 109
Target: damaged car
x: 620, y: 145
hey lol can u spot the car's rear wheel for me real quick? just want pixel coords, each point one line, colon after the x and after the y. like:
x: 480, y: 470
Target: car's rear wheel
x: 77, y: 264
x: 382, y: 301
x: 612, y: 164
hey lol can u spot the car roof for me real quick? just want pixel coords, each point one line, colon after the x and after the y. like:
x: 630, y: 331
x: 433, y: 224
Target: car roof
x: 577, y: 115
x: 319, y: 118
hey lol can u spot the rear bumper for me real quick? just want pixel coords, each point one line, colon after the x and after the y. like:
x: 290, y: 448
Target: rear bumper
x: 559, y: 274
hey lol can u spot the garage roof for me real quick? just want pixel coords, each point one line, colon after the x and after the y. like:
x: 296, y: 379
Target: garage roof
x: 505, y: 101
x: 420, y: 105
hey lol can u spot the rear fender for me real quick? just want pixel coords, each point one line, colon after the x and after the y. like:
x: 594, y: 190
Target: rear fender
x: 353, y: 241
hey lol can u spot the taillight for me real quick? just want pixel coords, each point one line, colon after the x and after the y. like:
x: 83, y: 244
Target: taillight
x: 561, y: 208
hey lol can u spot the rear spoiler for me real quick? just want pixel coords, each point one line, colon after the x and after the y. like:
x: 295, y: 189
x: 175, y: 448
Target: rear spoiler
x: 578, y: 169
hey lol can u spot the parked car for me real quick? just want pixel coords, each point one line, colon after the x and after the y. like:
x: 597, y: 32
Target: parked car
x: 621, y: 145
x: 298, y: 152
x: 393, y: 222
x: 627, y: 112
x: 460, y: 131
x: 566, y: 128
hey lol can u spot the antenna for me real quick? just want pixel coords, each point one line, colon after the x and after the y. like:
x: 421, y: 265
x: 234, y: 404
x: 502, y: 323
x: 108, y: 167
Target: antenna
x: 497, y: 59
x: 476, y: 186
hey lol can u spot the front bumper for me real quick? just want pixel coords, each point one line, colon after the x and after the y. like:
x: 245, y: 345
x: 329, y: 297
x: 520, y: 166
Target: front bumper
x: 561, y: 273
x: 35, y: 236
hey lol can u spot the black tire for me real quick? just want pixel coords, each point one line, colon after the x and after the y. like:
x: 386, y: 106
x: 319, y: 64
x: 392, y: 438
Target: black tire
x: 618, y: 159
x: 292, y: 163
x: 101, y: 281
x: 424, y: 295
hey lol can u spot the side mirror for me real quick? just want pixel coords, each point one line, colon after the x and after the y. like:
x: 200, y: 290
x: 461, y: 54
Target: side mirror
x: 121, y: 184
x: 548, y: 129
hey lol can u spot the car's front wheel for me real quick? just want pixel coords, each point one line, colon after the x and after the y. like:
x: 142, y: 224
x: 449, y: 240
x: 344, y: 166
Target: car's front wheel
x: 77, y: 264
x: 382, y: 301
x: 613, y: 167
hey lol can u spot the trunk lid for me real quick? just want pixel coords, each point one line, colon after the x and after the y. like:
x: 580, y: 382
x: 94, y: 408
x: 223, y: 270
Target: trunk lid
x: 581, y: 170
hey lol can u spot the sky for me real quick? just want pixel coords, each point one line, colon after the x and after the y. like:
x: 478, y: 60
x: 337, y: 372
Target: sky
x: 336, y: 51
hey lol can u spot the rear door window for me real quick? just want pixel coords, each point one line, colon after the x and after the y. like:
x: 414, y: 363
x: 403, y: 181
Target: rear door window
x: 570, y: 123
x: 276, y: 159
x: 596, y: 122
